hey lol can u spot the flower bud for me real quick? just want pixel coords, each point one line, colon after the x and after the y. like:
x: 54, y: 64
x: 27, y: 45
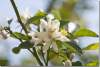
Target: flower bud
x: 67, y: 63
x: 72, y: 56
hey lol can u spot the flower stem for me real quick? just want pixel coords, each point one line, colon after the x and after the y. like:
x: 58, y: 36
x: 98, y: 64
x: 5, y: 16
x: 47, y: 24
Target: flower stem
x: 48, y: 56
x: 43, y: 55
x: 37, y: 57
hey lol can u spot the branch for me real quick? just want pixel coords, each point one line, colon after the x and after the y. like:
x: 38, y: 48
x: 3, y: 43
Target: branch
x: 18, y: 16
x: 19, y: 19
x: 50, y: 6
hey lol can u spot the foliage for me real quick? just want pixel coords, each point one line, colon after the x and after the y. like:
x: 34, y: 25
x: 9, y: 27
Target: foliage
x: 93, y: 46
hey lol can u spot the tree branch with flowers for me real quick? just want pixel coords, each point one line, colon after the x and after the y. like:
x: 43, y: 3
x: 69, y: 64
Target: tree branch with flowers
x: 52, y: 38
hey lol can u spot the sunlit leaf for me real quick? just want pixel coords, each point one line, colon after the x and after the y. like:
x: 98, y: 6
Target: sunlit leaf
x: 52, y: 54
x: 20, y: 36
x: 93, y: 46
x: 36, y: 19
x: 93, y: 63
x: 56, y: 14
x: 84, y: 33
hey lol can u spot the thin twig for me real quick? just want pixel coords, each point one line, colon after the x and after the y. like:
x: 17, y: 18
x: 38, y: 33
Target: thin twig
x: 18, y: 16
x: 19, y: 19
x: 50, y: 6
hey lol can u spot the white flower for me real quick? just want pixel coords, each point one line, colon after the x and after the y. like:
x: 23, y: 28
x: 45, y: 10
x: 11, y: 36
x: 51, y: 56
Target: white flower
x: 3, y: 34
x: 67, y: 63
x: 49, y: 31
x: 72, y: 26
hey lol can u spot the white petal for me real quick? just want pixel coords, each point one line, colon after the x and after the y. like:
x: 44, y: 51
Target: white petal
x: 50, y: 17
x: 36, y: 41
x: 56, y: 24
x: 67, y: 63
x: 43, y: 36
x: 54, y: 46
x: 64, y: 38
x: 26, y: 13
x: 31, y: 34
x: 71, y: 27
x: 43, y: 25
x: 60, y: 37
x: 3, y: 34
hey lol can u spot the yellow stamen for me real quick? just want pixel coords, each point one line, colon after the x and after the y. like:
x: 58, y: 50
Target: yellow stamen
x: 64, y: 32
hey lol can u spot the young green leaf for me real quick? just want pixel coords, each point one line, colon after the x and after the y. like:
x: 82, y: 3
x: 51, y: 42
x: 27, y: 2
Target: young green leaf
x: 93, y: 46
x: 20, y: 36
x: 24, y: 45
x: 63, y: 23
x: 56, y: 14
x: 16, y: 50
x: 84, y: 33
x: 36, y: 19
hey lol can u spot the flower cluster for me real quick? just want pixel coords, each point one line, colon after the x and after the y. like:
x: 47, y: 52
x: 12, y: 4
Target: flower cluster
x: 49, y: 32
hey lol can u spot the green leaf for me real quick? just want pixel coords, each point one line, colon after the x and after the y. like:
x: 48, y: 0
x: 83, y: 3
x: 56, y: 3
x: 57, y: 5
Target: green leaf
x: 56, y: 14
x: 25, y: 45
x: 16, y: 50
x: 84, y: 33
x: 57, y: 58
x: 4, y: 62
x: 70, y: 47
x: 93, y: 63
x: 77, y: 63
x: 76, y: 47
x: 36, y: 19
x: 93, y: 46
x: 63, y: 23
x: 20, y: 36
x: 52, y: 54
